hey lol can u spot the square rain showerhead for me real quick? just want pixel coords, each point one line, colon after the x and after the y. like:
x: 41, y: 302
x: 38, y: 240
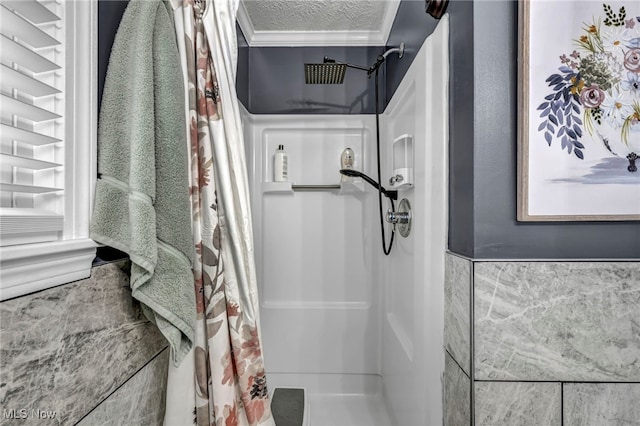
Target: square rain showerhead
x: 329, y: 73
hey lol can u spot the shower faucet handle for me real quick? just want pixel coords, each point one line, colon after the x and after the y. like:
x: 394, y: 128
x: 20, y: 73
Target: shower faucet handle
x: 401, y: 219
x: 398, y: 217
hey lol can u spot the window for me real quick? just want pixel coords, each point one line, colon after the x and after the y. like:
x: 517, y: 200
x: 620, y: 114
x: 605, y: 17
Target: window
x: 48, y: 142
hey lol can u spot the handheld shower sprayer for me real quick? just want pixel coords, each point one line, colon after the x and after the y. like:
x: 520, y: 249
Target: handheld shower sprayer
x: 331, y: 71
x: 392, y: 195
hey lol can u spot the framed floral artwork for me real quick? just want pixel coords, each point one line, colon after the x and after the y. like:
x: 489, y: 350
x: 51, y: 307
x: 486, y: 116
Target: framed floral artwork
x: 579, y: 111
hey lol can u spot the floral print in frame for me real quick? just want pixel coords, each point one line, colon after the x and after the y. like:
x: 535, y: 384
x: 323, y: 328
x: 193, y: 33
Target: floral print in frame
x: 579, y: 111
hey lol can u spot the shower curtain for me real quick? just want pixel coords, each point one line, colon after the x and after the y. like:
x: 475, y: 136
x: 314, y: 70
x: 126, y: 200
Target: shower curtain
x: 222, y: 382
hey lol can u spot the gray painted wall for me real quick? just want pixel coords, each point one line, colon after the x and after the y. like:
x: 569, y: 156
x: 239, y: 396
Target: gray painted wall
x: 109, y: 15
x: 276, y: 81
x: 242, y: 76
x: 497, y: 234
x: 411, y: 27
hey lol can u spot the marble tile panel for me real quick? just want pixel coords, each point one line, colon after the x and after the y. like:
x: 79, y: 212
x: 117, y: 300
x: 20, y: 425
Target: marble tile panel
x: 457, y: 394
x: 65, y: 349
x: 602, y: 404
x: 457, y: 310
x: 517, y: 404
x: 564, y: 321
x: 140, y: 401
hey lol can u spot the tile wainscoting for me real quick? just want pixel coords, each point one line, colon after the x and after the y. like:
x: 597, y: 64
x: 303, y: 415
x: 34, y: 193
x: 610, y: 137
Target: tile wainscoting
x: 81, y: 350
x: 550, y: 343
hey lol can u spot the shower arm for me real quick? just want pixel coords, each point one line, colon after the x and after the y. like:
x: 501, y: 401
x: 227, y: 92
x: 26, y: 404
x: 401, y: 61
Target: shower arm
x: 328, y: 60
x: 379, y: 60
x: 393, y: 195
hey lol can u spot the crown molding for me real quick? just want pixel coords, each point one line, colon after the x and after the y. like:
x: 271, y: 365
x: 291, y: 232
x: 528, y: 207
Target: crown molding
x: 245, y: 23
x: 389, y: 17
x: 257, y: 38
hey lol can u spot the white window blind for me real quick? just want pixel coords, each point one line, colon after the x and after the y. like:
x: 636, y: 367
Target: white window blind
x: 32, y: 110
x: 47, y: 148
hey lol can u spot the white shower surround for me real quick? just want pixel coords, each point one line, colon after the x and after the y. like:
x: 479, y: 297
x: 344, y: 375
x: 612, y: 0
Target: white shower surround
x: 413, y: 290
x: 362, y: 332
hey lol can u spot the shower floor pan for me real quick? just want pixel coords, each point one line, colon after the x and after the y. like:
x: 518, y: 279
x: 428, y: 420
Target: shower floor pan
x: 337, y: 399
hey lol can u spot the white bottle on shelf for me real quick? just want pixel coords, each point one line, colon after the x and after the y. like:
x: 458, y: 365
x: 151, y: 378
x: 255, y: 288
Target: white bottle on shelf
x: 280, y: 165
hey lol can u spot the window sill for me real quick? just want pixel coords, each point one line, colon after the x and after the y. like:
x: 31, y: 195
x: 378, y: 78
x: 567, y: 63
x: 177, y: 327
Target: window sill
x: 28, y: 268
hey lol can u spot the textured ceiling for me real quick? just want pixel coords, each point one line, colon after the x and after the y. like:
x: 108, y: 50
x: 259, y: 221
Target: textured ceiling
x: 316, y: 15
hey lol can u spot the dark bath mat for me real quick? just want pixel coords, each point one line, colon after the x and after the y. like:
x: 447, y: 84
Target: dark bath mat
x: 287, y: 406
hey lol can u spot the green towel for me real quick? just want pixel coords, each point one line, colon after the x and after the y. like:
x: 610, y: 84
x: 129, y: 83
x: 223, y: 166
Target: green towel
x: 142, y: 204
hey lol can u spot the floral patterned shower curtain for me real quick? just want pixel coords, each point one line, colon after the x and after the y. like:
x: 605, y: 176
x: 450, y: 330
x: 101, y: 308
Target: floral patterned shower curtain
x: 227, y: 363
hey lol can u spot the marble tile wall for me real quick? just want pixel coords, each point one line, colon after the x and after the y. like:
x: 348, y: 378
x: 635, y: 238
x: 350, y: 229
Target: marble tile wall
x: 602, y: 404
x: 457, y: 394
x: 557, y: 321
x: 553, y: 342
x: 457, y: 301
x: 518, y: 403
x: 67, y: 348
x: 457, y: 341
x: 140, y: 401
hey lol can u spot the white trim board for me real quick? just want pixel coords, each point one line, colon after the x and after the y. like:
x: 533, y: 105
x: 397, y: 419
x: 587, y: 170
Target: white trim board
x: 256, y: 38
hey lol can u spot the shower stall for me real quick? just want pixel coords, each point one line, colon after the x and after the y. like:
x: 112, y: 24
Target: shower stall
x: 360, y: 332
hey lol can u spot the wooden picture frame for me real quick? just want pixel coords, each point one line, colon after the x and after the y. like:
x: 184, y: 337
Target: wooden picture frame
x: 579, y: 94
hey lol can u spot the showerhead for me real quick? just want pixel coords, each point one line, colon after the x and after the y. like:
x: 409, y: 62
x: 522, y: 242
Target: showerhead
x: 332, y: 71
x: 327, y: 73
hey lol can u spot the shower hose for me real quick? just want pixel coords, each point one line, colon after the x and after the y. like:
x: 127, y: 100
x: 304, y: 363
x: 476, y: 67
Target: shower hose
x: 385, y: 249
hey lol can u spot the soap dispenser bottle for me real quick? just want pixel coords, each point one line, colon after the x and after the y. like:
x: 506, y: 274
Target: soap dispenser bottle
x: 280, y: 165
x: 347, y: 159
